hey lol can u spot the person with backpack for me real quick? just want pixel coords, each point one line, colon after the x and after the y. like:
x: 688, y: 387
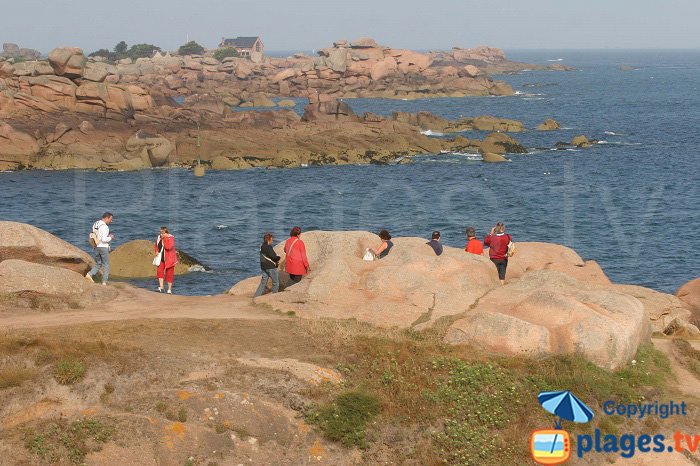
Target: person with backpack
x: 269, y: 261
x: 100, y: 239
x: 167, y: 259
x: 296, y: 263
x: 500, y: 248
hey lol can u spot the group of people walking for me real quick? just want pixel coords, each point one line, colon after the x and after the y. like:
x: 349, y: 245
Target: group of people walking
x: 297, y: 263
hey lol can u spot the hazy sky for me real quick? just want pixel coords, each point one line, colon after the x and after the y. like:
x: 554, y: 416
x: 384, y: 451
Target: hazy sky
x: 313, y: 24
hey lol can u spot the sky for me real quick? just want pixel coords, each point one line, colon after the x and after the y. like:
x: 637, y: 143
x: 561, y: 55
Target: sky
x: 312, y: 24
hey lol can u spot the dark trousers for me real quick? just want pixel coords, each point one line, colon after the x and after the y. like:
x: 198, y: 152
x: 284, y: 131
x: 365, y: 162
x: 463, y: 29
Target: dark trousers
x: 295, y: 278
x: 501, y: 266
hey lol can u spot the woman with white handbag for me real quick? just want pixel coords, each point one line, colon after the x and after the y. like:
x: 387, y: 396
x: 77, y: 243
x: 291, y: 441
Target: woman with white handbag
x: 166, y: 259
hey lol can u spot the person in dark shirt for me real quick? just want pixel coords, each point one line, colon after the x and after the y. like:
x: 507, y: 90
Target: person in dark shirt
x: 269, y: 261
x: 383, y: 249
x: 497, y: 240
x: 435, y: 243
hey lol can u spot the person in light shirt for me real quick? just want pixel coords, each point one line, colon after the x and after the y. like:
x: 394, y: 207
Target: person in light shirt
x: 104, y: 238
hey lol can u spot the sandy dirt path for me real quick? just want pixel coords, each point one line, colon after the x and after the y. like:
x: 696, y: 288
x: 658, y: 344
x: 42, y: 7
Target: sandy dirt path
x: 134, y: 303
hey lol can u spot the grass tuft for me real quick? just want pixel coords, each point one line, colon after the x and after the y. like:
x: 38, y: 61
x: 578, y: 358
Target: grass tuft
x: 14, y: 376
x: 60, y: 442
x: 346, y: 419
x: 69, y: 371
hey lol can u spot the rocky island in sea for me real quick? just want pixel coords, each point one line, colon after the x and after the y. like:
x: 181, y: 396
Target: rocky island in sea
x: 73, y: 112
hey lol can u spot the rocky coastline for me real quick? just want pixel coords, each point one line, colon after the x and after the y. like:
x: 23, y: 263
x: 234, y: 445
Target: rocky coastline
x: 554, y: 302
x: 71, y: 112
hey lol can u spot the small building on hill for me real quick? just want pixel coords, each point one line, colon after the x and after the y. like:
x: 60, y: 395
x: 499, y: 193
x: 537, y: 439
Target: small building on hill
x: 246, y: 46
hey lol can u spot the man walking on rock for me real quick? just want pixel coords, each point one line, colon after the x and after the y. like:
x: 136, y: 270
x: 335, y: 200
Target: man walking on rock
x: 104, y: 237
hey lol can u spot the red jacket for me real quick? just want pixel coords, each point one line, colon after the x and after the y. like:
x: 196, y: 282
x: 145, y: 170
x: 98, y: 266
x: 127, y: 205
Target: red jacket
x: 498, y: 245
x: 296, y: 263
x: 474, y: 246
x: 170, y: 253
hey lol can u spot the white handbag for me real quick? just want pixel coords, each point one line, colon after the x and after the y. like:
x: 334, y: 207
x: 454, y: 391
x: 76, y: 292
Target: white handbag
x: 159, y: 255
x: 369, y: 255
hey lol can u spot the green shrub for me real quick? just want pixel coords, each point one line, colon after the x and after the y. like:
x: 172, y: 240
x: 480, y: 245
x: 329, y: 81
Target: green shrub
x: 345, y: 419
x: 60, y: 442
x: 69, y: 371
x: 142, y: 51
x: 191, y: 48
x: 225, y: 52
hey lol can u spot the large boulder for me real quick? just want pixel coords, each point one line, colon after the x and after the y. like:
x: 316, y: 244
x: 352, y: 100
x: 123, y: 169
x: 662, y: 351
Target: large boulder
x: 67, y: 61
x: 411, y: 286
x: 690, y: 294
x: 329, y: 110
x: 667, y: 313
x: 548, y: 125
x: 134, y: 259
x: 152, y: 148
x: 45, y: 287
x: 499, y: 143
x: 32, y: 244
x: 15, y: 144
x: 534, y: 256
x: 548, y: 312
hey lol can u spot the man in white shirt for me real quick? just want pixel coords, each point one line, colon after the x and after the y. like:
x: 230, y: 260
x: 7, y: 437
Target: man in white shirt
x: 104, y: 237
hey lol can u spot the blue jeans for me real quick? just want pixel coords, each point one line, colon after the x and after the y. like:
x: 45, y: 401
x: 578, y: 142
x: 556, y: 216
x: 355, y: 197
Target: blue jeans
x: 101, y: 259
x: 266, y: 274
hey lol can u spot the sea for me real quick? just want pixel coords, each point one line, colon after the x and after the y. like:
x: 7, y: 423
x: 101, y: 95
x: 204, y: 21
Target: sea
x: 630, y: 202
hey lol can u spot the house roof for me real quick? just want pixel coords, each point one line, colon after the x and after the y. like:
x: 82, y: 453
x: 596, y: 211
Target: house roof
x: 243, y: 42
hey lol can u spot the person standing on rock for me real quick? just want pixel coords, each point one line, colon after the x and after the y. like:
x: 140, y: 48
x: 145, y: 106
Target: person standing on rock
x: 296, y: 263
x: 383, y: 249
x: 165, y: 246
x: 104, y: 238
x: 497, y: 240
x: 474, y: 246
x: 269, y: 261
x: 435, y: 243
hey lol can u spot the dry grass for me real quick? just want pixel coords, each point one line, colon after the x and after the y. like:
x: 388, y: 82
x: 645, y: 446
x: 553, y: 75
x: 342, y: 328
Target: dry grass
x: 15, y: 375
x: 688, y: 356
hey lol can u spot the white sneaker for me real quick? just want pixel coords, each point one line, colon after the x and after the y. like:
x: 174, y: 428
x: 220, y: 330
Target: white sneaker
x: 89, y: 277
x: 170, y: 292
x: 104, y: 284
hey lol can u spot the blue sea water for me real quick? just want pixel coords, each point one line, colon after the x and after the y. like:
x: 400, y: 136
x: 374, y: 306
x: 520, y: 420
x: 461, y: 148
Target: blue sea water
x: 630, y: 202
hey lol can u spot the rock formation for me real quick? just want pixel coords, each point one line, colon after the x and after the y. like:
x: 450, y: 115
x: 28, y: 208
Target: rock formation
x: 690, y: 295
x: 44, y: 287
x: 553, y: 303
x: 134, y: 259
x: 548, y: 312
x: 410, y: 286
x: 31, y: 244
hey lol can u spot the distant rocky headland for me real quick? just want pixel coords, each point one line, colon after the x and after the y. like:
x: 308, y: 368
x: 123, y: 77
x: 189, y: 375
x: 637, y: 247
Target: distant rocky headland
x: 70, y: 111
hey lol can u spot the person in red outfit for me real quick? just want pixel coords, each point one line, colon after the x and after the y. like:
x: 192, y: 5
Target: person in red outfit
x: 296, y: 262
x: 474, y: 246
x: 497, y: 240
x: 165, y: 246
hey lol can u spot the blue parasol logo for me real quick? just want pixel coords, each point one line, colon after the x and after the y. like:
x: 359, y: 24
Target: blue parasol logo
x: 565, y: 405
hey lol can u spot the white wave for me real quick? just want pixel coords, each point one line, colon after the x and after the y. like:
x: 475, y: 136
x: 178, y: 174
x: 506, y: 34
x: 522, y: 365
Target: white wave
x: 567, y: 128
x: 221, y: 227
x: 610, y: 133
x: 518, y: 93
x: 603, y: 142
x: 430, y: 132
x: 534, y: 98
x: 197, y: 268
x: 557, y: 59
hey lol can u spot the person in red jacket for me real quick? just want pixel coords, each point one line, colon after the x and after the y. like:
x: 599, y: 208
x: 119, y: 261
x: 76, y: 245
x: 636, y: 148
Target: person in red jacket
x: 474, y: 246
x: 497, y: 240
x: 165, y: 246
x: 296, y: 262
